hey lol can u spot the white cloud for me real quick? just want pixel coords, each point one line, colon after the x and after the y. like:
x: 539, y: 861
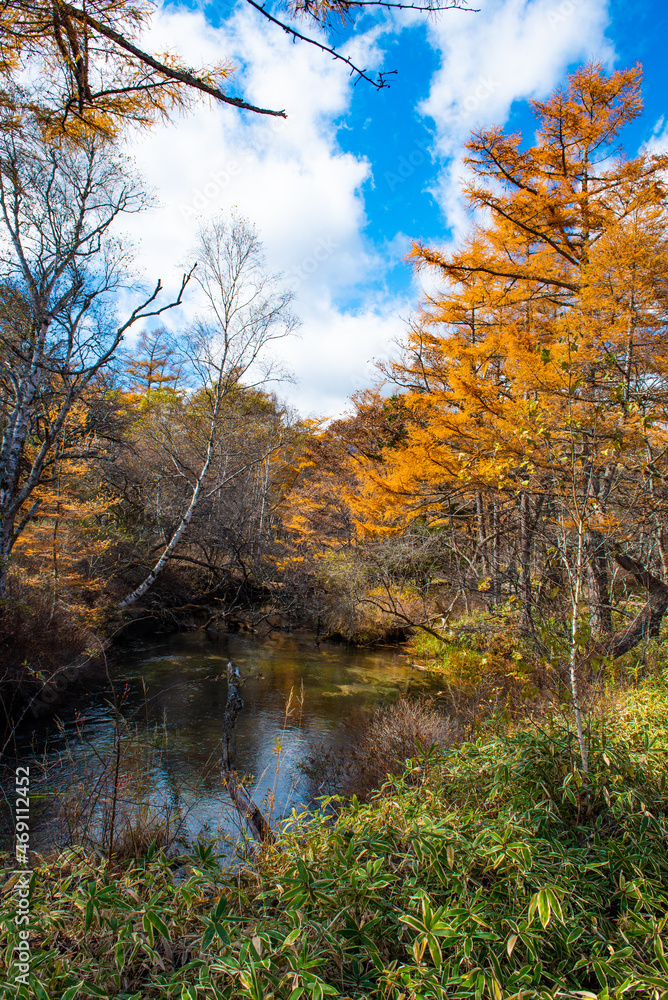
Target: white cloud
x: 657, y: 144
x: 289, y: 177
x: 304, y: 193
x: 348, y: 346
x: 511, y: 51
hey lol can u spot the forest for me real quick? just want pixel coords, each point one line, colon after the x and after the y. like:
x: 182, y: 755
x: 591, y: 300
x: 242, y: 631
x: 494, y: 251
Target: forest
x: 495, y: 504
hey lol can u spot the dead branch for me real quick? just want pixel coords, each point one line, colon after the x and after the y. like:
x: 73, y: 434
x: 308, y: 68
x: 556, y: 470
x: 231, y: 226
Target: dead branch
x: 647, y: 623
x: 257, y: 824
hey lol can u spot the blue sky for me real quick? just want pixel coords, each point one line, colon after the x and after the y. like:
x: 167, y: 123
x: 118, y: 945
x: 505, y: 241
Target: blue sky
x: 338, y: 190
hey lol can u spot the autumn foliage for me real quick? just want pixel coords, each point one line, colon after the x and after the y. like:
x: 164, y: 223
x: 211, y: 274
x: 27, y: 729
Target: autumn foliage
x: 532, y: 393
x: 515, y: 458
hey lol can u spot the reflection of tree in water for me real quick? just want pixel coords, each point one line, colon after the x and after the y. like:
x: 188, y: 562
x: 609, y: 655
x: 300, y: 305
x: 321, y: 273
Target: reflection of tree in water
x: 174, y: 707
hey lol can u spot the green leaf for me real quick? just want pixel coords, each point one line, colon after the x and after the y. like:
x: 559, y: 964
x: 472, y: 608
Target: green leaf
x: 158, y: 923
x: 413, y: 922
x: 533, y: 905
x: 207, y: 938
x: 555, y: 905
x: 292, y: 937
x: 71, y: 992
x: 435, y: 950
x: 222, y: 933
x: 544, y: 907
x: 600, y: 973
x: 119, y: 956
x: 658, y: 951
x: 654, y: 981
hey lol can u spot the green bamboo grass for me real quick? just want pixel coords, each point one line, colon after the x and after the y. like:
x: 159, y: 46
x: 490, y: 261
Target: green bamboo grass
x: 493, y: 872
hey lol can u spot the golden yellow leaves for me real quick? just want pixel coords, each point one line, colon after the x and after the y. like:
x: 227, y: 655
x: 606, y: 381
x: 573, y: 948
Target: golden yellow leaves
x: 547, y: 357
x: 89, y: 74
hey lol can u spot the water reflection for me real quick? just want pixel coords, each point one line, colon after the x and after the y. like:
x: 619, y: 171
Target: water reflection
x: 177, y: 689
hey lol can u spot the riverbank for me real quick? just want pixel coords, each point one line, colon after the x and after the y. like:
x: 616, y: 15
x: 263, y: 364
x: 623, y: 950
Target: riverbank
x: 43, y: 655
x: 495, y: 870
x: 490, y: 668
x: 157, y: 722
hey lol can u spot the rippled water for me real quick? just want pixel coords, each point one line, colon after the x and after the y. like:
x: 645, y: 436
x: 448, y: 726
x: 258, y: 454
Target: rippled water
x: 176, y: 690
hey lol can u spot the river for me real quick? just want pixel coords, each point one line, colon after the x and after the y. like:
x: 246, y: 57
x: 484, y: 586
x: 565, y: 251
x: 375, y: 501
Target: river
x: 171, y: 695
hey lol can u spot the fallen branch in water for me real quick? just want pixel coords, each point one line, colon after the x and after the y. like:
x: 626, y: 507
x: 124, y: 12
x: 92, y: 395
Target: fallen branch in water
x: 258, y: 825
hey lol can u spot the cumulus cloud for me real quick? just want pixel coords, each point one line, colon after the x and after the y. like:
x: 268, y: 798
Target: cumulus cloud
x: 657, y: 144
x: 289, y: 177
x: 305, y: 194
x: 511, y: 51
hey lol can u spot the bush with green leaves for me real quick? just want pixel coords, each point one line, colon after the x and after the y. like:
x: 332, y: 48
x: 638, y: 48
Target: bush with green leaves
x: 492, y: 870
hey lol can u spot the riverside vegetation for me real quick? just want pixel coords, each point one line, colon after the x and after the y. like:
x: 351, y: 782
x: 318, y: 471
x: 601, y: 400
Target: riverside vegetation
x: 492, y: 870
x: 520, y: 459
x: 489, y: 866
x: 504, y: 507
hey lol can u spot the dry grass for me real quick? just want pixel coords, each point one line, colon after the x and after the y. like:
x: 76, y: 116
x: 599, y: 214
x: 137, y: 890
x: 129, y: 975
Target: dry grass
x: 392, y: 734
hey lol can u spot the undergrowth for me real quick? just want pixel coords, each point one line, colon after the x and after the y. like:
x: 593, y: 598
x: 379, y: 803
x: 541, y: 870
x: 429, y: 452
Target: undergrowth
x: 490, y: 870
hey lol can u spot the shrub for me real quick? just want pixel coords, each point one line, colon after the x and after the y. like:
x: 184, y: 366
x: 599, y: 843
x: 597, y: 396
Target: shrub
x: 380, y: 747
x: 493, y: 870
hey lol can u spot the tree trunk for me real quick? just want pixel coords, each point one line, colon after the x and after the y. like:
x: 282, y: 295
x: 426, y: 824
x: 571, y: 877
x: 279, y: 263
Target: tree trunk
x: 458, y: 561
x: 482, y: 533
x: 257, y: 823
x: 187, y: 517
x: 662, y: 552
x: 647, y: 624
x: 526, y: 532
x: 166, y: 553
x: 496, y: 559
x: 576, y: 587
x: 598, y: 586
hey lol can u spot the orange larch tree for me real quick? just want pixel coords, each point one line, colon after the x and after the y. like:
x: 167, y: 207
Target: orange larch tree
x: 539, y: 376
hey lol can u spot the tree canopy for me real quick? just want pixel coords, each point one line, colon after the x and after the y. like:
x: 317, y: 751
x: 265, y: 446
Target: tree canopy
x: 77, y: 69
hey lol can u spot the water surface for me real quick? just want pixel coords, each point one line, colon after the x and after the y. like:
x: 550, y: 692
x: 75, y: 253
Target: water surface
x: 296, y: 693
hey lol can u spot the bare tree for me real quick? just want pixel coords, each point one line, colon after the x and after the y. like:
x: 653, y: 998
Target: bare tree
x: 228, y: 348
x: 60, y: 269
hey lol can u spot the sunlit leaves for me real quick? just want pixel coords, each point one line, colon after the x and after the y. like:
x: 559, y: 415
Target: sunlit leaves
x: 470, y: 876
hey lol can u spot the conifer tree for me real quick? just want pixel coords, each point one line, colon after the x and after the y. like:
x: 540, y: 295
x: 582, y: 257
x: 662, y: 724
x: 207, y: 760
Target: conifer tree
x: 537, y: 379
